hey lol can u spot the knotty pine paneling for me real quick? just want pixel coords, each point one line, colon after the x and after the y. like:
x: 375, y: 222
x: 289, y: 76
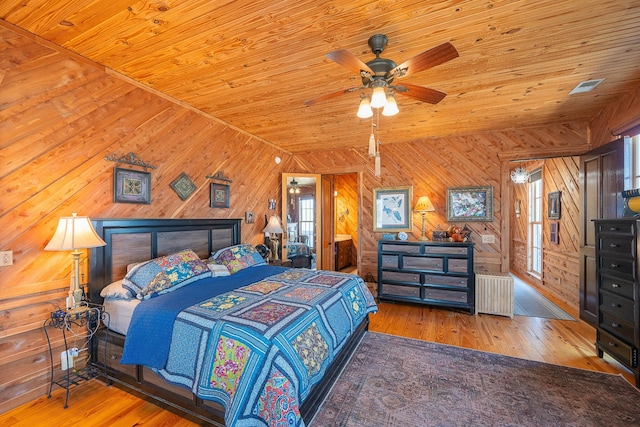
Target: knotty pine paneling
x: 59, y: 119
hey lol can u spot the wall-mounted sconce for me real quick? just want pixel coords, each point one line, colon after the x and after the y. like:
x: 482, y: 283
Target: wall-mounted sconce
x: 517, y: 208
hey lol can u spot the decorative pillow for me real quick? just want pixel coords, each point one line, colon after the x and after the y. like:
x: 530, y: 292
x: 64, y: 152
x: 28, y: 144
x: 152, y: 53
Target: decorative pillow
x: 115, y: 291
x: 238, y: 257
x: 165, y: 274
x: 217, y: 270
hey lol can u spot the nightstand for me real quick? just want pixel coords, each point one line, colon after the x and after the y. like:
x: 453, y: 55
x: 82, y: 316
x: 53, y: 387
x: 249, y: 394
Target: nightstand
x: 281, y: 263
x: 74, y: 322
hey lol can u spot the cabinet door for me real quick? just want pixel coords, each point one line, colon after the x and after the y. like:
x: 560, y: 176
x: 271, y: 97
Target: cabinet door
x: 601, y: 181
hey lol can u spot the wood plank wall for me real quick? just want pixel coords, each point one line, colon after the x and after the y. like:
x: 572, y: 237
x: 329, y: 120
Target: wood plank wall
x: 59, y: 119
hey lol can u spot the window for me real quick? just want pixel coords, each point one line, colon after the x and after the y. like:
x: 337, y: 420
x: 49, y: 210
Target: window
x: 534, y: 225
x: 635, y: 148
x: 307, y: 219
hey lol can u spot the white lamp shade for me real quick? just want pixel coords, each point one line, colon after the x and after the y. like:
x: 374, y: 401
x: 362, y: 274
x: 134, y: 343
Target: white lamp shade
x: 74, y: 232
x: 378, y: 98
x: 391, y: 107
x: 273, y: 226
x: 364, y: 110
x: 424, y: 205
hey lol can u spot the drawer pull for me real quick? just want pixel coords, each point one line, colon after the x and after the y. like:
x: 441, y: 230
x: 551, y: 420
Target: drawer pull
x: 612, y: 344
x: 614, y: 245
x: 615, y: 285
x: 615, y: 265
x: 613, y: 228
x: 615, y: 325
x: 614, y: 305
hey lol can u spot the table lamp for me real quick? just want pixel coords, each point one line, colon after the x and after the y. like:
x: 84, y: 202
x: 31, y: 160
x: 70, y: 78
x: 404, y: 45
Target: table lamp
x: 74, y: 233
x: 423, y: 206
x: 273, y: 228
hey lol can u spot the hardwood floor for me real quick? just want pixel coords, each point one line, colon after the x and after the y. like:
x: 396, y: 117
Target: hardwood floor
x: 562, y: 342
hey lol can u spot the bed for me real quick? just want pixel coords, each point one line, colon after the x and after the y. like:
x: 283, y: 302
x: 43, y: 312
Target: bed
x: 273, y: 373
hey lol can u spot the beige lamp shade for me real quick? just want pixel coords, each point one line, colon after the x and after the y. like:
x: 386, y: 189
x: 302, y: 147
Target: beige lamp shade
x: 74, y: 232
x: 273, y: 226
x: 424, y: 205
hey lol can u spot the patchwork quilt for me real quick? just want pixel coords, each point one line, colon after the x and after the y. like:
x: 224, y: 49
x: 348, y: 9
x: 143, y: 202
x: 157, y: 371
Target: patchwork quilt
x: 259, y: 349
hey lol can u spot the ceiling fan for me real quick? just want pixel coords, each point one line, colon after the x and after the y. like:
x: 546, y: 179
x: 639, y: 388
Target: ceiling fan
x: 381, y: 72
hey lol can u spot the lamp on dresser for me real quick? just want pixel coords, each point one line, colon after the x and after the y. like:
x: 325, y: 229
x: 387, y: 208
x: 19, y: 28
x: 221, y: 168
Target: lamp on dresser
x: 423, y: 206
x: 74, y: 233
x: 272, y: 229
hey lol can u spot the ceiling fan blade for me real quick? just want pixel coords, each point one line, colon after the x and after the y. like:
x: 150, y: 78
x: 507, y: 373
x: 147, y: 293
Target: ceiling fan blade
x: 331, y: 95
x: 420, y: 93
x: 349, y: 60
x: 425, y: 60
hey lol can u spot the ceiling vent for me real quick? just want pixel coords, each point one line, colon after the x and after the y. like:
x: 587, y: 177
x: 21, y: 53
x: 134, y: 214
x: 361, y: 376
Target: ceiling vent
x: 586, y: 86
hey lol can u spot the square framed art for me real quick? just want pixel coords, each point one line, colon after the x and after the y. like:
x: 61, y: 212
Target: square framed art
x: 219, y: 195
x: 131, y: 186
x: 392, y: 209
x: 468, y: 204
x: 183, y: 186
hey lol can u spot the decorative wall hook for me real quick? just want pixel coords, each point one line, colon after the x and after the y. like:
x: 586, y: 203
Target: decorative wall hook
x: 219, y: 176
x: 130, y: 159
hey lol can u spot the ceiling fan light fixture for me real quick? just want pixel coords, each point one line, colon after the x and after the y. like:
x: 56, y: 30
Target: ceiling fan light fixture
x: 364, y: 110
x: 391, y: 107
x: 378, y: 98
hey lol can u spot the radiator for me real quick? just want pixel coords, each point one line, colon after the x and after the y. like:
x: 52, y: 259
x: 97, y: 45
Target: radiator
x: 494, y: 295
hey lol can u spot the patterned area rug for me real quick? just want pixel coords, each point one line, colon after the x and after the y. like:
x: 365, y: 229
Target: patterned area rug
x: 401, y: 382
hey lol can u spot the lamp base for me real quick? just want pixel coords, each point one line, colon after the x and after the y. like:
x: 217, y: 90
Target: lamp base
x: 423, y: 238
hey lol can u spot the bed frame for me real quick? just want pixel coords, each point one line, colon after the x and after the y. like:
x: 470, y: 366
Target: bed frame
x: 135, y: 240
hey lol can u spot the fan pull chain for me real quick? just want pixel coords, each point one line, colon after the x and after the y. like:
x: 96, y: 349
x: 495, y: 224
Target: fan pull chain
x: 377, y: 147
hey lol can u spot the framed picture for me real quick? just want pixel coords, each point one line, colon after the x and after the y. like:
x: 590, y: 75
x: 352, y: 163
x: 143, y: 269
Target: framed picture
x: 248, y: 217
x: 392, y: 209
x: 553, y: 205
x: 468, y: 204
x: 219, y: 195
x: 183, y: 186
x: 554, y: 235
x: 130, y: 186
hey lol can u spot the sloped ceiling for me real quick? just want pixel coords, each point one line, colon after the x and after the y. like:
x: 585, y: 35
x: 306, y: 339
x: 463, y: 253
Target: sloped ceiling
x: 253, y: 64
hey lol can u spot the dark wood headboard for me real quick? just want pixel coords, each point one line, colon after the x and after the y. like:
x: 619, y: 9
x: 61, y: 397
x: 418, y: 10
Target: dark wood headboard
x: 132, y: 240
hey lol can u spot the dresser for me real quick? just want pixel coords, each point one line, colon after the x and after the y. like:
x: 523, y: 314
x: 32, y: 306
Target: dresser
x: 425, y: 272
x: 618, y: 284
x: 343, y: 251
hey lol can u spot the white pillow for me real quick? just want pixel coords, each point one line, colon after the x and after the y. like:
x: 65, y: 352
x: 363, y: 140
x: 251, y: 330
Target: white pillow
x: 115, y: 291
x: 218, y: 270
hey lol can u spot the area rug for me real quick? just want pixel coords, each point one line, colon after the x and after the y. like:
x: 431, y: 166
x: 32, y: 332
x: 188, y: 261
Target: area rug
x: 531, y: 303
x: 399, y: 382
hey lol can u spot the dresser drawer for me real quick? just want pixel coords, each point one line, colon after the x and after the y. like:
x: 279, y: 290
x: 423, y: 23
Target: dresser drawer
x: 626, y: 227
x: 457, y: 265
x: 617, y: 286
x: 443, y: 295
x: 422, y: 263
x: 407, y: 249
x: 401, y: 276
x: 625, y: 353
x: 619, y: 307
x: 401, y: 291
x: 390, y: 261
x: 446, y: 250
x: 617, y: 265
x: 619, y: 244
x: 617, y: 327
x: 433, y: 279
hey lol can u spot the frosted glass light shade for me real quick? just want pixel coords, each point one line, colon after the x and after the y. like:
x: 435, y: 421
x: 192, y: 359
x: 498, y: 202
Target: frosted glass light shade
x: 378, y: 98
x: 364, y: 110
x: 391, y: 107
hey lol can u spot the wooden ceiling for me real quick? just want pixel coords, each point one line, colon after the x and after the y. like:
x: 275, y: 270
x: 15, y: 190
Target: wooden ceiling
x: 254, y: 63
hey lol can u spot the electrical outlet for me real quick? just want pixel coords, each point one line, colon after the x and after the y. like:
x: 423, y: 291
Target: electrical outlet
x: 488, y: 238
x: 6, y: 258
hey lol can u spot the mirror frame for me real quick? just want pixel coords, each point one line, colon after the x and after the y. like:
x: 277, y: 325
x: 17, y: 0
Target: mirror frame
x: 286, y: 177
